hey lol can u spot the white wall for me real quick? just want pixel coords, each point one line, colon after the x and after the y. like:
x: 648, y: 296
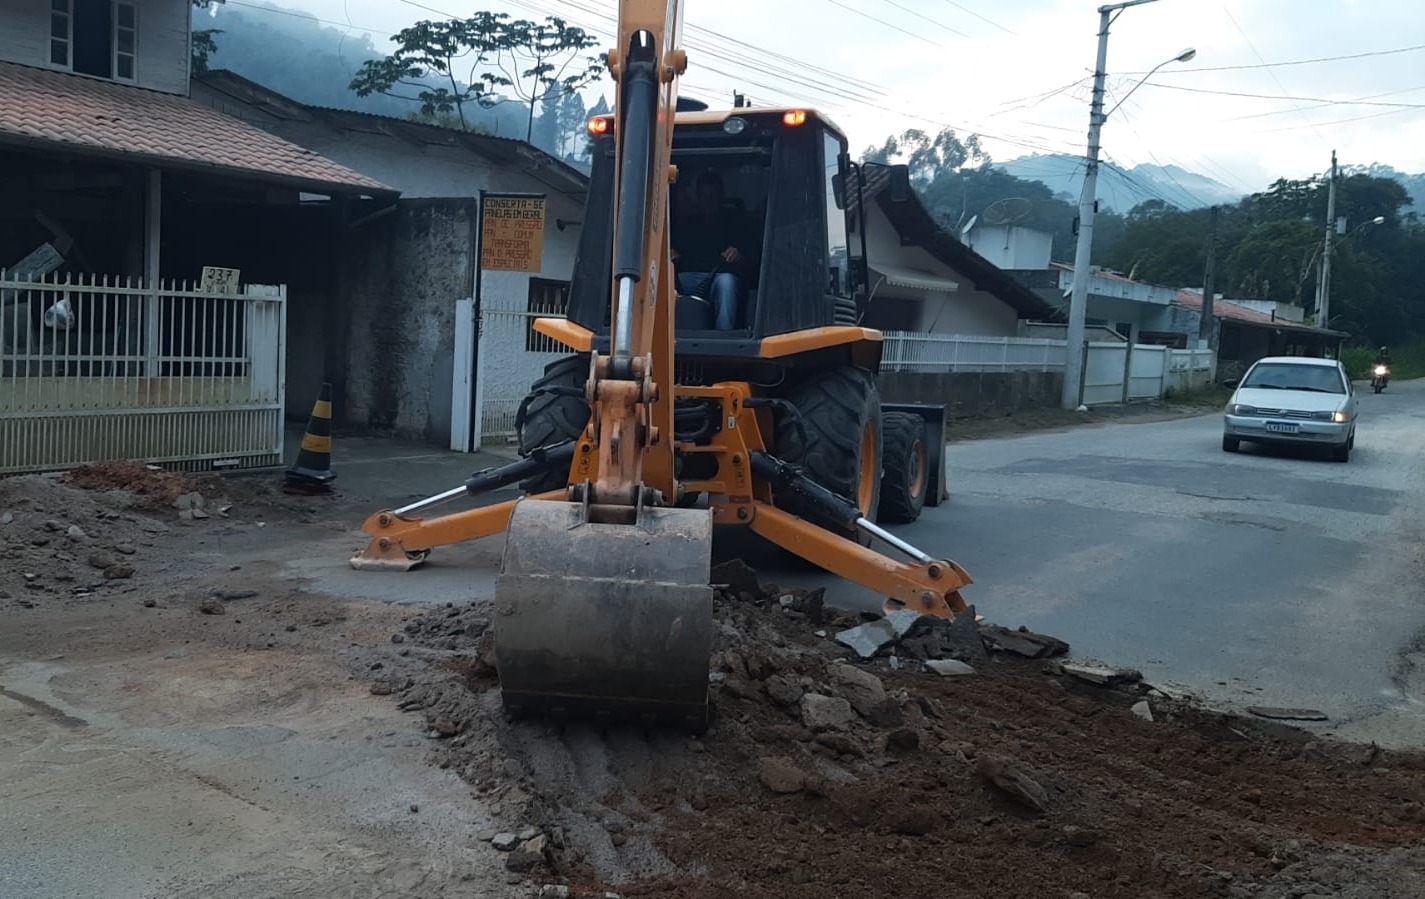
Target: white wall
x: 963, y: 311
x: 161, y: 49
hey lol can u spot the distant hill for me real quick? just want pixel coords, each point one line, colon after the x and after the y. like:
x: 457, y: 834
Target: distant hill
x: 292, y: 53
x: 1121, y: 190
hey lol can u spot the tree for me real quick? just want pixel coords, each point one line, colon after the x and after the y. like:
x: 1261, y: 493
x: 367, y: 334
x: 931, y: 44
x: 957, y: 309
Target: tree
x: 443, y: 49
x: 204, y: 43
x: 473, y: 59
x: 928, y: 156
x: 542, y: 61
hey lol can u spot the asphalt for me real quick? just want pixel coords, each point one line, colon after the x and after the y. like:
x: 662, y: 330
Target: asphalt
x: 1258, y: 578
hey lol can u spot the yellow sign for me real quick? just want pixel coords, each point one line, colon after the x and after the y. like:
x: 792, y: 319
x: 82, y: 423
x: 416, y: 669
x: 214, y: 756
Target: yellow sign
x: 512, y: 238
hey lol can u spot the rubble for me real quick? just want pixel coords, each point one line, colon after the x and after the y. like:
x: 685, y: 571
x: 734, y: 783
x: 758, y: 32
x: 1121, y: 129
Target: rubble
x: 949, y: 667
x: 1022, y: 642
x: 780, y: 775
x: 1099, y: 673
x: 1009, y: 777
x: 1143, y: 710
x: 826, y: 712
x: 1288, y: 714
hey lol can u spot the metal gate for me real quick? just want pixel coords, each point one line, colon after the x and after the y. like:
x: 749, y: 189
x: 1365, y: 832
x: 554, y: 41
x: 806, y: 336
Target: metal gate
x: 97, y: 368
x: 512, y: 354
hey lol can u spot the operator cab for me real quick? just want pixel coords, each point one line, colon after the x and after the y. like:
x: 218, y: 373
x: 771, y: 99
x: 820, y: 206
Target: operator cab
x: 768, y: 182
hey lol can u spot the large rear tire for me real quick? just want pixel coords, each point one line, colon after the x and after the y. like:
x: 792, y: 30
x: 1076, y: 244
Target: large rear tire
x: 553, y: 418
x: 841, y: 412
x: 907, y: 468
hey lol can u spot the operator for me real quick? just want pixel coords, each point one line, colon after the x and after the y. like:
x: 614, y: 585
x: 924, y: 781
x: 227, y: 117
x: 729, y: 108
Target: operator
x: 708, y: 251
x: 1383, y: 357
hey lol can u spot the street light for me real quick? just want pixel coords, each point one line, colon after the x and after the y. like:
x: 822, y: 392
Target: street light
x: 1078, y: 302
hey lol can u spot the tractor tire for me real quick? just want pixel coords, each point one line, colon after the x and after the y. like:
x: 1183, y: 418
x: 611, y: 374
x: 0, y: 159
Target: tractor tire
x: 841, y: 412
x: 551, y: 418
x: 906, y: 468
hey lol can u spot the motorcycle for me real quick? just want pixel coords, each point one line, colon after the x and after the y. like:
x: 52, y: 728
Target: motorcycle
x: 1380, y: 375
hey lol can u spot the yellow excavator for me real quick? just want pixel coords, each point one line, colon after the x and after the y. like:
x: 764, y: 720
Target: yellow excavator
x: 660, y: 425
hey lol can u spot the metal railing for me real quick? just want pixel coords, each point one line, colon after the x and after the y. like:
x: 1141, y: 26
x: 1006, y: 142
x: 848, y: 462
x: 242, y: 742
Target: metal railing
x: 96, y: 368
x: 915, y: 351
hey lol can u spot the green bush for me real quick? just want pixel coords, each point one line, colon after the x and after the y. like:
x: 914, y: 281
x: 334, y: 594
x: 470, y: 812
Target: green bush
x: 1407, y: 361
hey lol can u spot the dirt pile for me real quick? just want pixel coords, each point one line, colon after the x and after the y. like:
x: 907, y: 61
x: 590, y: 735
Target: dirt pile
x: 59, y: 541
x: 1015, y: 772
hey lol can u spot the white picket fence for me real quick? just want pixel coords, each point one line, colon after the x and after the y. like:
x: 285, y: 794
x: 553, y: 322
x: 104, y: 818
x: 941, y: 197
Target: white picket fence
x: 1114, y: 372
x: 96, y: 368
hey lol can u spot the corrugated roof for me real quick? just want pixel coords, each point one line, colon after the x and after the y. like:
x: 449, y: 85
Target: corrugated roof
x: 504, y: 150
x: 91, y: 116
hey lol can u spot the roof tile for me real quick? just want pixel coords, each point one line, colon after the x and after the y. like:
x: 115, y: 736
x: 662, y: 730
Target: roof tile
x: 86, y: 113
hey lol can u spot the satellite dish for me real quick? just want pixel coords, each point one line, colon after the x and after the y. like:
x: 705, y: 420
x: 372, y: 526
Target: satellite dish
x: 1008, y: 210
x: 969, y: 226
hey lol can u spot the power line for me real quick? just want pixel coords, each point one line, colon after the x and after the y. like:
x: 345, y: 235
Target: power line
x: 1270, y: 71
x: 1321, y: 100
x: 852, y: 9
x: 297, y: 14
x: 1262, y: 115
x: 919, y: 15
x: 1297, y: 62
x: 978, y: 16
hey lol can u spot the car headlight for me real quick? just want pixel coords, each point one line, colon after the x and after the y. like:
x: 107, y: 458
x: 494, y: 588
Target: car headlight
x: 1241, y: 409
x: 1338, y: 417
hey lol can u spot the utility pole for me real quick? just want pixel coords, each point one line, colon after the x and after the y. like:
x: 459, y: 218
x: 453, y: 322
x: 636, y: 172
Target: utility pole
x: 1088, y: 206
x: 1207, y: 328
x: 1323, y: 284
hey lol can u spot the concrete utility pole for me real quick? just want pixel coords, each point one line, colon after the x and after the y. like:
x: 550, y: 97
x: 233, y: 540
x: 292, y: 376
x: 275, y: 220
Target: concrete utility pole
x: 1088, y: 207
x: 1323, y: 284
x: 1207, y: 327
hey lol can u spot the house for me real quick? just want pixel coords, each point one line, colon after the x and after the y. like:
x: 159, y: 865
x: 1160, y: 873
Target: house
x: 924, y: 280
x: 390, y: 347
x: 1244, y: 334
x: 147, y: 242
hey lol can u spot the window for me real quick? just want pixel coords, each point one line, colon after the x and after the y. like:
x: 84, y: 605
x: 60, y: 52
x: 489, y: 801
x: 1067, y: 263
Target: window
x: 838, y: 257
x: 546, y: 298
x: 60, y: 33
x: 94, y: 37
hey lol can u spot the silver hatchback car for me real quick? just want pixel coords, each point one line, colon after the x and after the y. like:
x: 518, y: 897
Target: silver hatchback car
x: 1295, y: 400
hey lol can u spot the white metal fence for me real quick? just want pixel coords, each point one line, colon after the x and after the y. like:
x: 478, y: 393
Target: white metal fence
x: 915, y: 351
x: 96, y: 368
x: 1112, y: 372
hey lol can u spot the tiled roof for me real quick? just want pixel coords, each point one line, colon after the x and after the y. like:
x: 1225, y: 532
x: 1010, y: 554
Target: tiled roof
x: 1227, y: 309
x: 92, y: 116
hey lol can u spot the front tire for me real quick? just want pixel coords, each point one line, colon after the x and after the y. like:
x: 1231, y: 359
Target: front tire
x: 907, y: 468
x: 1230, y: 444
x: 554, y: 418
x: 841, y: 412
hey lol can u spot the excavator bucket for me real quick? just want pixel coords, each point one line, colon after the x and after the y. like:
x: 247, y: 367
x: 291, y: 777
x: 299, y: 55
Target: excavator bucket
x: 605, y: 621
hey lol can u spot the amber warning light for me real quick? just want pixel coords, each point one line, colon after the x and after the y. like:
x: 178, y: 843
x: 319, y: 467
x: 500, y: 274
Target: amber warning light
x: 794, y: 118
x: 599, y: 125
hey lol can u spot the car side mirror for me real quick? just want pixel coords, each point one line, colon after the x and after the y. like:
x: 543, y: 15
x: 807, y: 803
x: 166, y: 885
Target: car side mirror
x: 1231, y: 383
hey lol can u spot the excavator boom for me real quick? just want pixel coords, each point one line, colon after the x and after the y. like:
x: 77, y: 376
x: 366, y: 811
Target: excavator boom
x: 602, y: 603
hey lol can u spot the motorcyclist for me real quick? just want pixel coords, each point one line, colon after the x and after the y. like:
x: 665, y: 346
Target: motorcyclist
x: 1380, y: 371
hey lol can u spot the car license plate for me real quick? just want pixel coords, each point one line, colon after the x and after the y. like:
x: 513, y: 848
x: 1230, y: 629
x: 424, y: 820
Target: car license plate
x: 1283, y: 427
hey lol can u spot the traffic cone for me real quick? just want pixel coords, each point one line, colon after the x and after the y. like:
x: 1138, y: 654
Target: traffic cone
x: 312, y: 473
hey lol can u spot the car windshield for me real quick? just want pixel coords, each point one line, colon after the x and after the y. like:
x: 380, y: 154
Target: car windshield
x: 1290, y: 376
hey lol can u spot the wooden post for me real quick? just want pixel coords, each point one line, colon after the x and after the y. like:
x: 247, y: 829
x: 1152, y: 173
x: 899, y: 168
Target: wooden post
x: 153, y: 227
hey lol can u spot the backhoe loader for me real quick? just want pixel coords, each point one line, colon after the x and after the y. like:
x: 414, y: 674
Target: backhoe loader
x: 658, y: 427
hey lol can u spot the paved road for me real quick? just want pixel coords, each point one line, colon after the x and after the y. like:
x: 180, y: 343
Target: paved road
x: 1257, y: 578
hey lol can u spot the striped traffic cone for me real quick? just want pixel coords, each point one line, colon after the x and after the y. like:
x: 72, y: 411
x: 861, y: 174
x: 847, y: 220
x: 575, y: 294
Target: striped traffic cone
x: 312, y: 473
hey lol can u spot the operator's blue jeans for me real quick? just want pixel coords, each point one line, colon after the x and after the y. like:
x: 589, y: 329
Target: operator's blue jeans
x: 724, y: 295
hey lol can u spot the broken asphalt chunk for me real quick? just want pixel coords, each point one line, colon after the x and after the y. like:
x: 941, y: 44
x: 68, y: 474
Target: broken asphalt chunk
x: 1262, y: 711
x: 1100, y: 674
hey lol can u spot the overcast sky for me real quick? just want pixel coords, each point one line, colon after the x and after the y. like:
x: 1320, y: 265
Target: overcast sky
x: 1018, y: 72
